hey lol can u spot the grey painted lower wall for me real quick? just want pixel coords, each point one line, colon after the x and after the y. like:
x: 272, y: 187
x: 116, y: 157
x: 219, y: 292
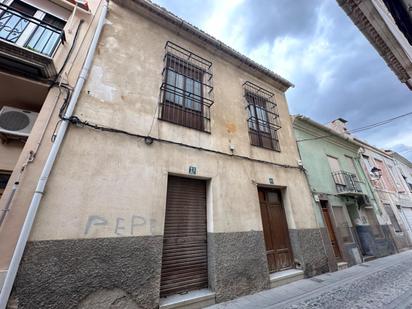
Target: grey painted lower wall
x: 385, y: 246
x: 125, y: 272
x: 309, y: 251
x: 237, y: 264
x: 119, y: 272
x: 329, y: 250
x: 377, y: 247
x: 400, y: 239
x: 351, y: 254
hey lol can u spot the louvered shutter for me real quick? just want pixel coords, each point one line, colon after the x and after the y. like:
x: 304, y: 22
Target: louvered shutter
x: 184, y: 260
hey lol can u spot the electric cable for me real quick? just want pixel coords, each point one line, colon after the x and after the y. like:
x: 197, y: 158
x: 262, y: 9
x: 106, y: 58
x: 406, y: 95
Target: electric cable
x: 360, y: 129
x: 69, y: 53
x: 149, y: 140
x: 406, y: 151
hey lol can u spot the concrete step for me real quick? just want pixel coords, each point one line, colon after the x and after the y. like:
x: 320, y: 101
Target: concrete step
x: 342, y: 265
x: 285, y: 277
x: 191, y: 300
x: 367, y: 258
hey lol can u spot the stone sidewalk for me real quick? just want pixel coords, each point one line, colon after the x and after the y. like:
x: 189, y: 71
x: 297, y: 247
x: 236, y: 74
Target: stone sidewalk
x: 382, y: 283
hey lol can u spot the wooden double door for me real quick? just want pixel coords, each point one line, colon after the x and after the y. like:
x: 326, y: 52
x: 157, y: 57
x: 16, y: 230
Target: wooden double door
x: 275, y: 230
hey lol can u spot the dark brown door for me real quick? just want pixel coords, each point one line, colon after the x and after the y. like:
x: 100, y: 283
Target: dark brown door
x: 184, y: 260
x: 275, y: 229
x: 331, y: 232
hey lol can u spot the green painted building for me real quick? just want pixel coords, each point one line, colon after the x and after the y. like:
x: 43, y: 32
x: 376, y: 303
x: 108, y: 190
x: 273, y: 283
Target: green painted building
x: 347, y: 209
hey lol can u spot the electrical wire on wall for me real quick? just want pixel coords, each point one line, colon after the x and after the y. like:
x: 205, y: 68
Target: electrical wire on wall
x: 66, y: 60
x: 149, y: 140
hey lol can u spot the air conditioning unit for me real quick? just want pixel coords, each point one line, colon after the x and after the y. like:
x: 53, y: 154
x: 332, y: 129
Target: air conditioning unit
x: 16, y: 122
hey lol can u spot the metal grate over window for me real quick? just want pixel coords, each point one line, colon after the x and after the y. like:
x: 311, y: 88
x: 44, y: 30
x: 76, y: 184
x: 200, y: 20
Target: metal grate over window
x: 263, y: 117
x: 186, y: 93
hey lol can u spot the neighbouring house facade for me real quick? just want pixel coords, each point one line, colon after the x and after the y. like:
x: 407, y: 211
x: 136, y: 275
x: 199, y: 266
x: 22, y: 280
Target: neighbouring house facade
x: 404, y: 167
x: 384, y: 175
x: 179, y: 172
x: 387, y: 24
x: 35, y: 39
x: 353, y: 222
x: 42, y: 48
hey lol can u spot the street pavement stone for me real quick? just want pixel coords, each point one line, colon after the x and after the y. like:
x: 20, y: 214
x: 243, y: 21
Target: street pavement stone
x: 384, y: 283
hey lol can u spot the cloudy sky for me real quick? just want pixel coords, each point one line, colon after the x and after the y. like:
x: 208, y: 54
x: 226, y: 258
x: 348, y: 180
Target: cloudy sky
x: 313, y: 44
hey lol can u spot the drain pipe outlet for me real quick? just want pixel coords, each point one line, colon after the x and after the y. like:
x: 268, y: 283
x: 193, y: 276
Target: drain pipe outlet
x: 28, y: 222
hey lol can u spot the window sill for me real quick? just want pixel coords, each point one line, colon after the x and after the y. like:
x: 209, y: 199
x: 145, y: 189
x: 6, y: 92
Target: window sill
x: 183, y: 126
x: 269, y: 149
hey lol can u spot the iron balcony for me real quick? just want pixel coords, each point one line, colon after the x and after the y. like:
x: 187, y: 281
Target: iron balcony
x: 347, y: 183
x: 27, y: 44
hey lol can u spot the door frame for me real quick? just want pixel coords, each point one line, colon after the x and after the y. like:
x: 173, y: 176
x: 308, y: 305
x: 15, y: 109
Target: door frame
x: 281, y: 191
x: 209, y: 219
x: 339, y: 242
x: 356, y: 237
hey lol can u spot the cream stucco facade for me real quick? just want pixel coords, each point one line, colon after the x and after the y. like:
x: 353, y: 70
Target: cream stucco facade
x: 122, y: 92
x: 105, y: 200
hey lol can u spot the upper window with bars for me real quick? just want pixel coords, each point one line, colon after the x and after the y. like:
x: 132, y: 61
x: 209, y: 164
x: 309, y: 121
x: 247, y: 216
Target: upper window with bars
x: 29, y: 27
x: 263, y: 117
x: 186, y: 91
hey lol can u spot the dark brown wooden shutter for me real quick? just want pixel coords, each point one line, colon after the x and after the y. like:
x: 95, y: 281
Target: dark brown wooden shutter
x: 184, y: 261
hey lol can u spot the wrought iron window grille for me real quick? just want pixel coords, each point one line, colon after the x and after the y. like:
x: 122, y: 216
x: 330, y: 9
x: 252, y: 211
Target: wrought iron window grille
x: 186, y: 93
x: 43, y: 37
x: 263, y: 117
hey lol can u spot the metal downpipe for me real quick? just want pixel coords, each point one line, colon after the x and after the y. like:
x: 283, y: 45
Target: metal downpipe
x: 28, y: 222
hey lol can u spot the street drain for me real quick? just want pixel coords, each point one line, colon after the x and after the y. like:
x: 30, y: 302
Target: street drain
x: 363, y: 265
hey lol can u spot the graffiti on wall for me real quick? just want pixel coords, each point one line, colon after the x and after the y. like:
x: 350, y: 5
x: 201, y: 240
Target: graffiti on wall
x: 120, y: 226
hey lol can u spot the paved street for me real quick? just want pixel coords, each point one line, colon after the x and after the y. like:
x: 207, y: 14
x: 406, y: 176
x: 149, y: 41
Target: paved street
x: 382, y: 283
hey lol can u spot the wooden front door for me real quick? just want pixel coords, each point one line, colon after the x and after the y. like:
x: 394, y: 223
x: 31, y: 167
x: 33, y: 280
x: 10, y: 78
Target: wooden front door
x: 331, y: 232
x: 275, y: 230
x: 184, y: 259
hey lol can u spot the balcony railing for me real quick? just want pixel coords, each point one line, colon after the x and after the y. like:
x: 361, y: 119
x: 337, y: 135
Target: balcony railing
x: 27, y: 31
x: 347, y: 183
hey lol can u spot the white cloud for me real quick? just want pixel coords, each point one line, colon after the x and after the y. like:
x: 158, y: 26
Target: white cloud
x: 286, y: 55
x: 402, y: 138
x: 336, y: 71
x: 220, y: 23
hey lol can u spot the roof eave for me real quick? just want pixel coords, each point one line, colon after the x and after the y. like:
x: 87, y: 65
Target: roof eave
x: 204, y: 37
x: 326, y: 129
